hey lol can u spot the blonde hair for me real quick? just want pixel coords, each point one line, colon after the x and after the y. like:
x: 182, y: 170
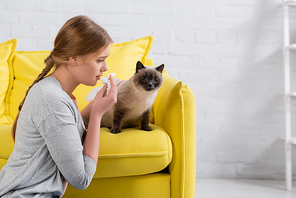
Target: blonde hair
x: 79, y: 36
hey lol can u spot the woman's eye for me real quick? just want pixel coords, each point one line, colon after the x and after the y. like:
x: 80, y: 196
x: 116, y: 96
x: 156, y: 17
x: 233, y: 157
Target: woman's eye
x: 100, y: 61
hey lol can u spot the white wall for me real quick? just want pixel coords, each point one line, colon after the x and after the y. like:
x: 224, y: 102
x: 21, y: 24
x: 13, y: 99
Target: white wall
x: 228, y: 51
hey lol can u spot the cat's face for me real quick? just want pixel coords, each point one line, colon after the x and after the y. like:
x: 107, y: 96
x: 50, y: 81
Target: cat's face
x: 148, y: 78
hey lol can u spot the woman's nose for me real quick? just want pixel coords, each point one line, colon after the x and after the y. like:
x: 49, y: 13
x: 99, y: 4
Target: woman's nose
x: 105, y: 68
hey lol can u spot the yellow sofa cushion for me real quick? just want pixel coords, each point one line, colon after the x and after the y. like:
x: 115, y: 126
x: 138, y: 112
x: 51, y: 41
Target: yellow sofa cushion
x: 7, y: 50
x: 122, y: 61
x: 131, y: 152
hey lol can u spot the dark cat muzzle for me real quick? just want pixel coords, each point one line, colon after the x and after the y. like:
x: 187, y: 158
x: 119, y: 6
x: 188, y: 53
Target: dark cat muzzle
x: 149, y: 87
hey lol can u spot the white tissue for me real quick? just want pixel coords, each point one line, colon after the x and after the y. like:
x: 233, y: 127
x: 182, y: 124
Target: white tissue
x: 92, y: 94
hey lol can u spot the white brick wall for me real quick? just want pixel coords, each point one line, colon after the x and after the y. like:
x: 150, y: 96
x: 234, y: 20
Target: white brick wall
x: 228, y: 51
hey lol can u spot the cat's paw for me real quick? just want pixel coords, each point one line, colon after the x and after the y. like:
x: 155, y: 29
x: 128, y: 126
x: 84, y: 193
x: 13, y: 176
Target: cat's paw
x: 146, y: 128
x: 115, y: 131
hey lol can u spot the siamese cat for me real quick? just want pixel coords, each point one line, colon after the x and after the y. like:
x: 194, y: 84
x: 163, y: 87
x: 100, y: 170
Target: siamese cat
x: 135, y: 98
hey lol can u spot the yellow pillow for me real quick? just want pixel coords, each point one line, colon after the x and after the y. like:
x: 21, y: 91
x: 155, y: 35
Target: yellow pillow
x: 26, y: 66
x: 122, y: 61
x: 7, y: 50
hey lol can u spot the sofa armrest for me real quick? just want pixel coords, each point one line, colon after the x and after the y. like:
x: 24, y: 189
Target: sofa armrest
x: 174, y: 110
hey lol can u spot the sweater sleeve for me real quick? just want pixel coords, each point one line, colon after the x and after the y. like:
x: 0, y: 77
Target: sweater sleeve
x: 62, y: 138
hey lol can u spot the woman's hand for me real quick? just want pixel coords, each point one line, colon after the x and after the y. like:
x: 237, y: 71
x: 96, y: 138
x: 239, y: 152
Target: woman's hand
x: 97, y: 100
x: 101, y: 102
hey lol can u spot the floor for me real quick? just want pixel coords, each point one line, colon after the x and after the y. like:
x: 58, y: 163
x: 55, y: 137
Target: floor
x: 224, y: 188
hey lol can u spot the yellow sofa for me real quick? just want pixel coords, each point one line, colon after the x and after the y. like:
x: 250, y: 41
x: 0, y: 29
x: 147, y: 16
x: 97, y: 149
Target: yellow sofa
x: 134, y: 163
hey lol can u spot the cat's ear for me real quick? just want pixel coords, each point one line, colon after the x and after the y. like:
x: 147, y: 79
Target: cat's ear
x: 160, y: 68
x: 139, y: 66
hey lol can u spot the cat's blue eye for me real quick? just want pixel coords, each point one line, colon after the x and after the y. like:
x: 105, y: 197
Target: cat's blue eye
x: 143, y: 78
x: 156, y: 79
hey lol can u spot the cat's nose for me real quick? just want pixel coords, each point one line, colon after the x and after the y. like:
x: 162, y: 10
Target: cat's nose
x: 150, y: 85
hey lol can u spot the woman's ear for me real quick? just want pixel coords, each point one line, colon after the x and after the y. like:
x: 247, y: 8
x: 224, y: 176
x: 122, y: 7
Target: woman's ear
x: 73, y: 60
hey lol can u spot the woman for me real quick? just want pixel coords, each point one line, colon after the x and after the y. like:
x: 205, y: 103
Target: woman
x: 51, y: 144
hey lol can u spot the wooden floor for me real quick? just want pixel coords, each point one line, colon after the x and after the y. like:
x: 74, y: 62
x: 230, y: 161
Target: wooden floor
x: 224, y: 188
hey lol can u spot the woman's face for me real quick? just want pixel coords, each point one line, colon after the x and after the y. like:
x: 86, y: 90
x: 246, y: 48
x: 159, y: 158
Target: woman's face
x: 90, y: 68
